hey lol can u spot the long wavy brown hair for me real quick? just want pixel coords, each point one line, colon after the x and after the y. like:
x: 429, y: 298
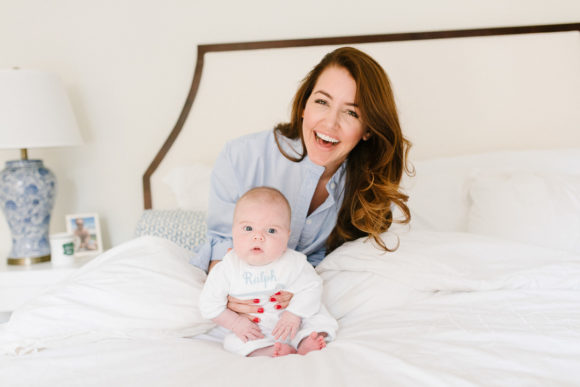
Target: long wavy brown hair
x: 374, y: 168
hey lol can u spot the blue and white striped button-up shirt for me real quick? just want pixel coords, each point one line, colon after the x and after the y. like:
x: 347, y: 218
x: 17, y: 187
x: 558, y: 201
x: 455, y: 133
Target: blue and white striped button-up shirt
x: 255, y: 160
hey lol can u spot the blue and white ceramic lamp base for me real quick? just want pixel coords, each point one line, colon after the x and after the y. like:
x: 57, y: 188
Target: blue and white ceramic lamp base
x: 27, y: 192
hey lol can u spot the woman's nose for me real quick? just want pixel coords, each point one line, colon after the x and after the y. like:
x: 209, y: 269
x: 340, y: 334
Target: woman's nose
x: 331, y: 119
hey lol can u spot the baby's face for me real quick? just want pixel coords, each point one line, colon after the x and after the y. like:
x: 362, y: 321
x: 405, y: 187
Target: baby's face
x: 260, y: 231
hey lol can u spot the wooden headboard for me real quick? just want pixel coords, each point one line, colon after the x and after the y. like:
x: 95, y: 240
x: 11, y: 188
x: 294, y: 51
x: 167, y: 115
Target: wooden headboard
x: 264, y: 51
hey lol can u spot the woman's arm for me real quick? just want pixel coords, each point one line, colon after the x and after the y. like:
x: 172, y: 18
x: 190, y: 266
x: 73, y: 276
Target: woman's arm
x: 212, y: 264
x: 244, y: 307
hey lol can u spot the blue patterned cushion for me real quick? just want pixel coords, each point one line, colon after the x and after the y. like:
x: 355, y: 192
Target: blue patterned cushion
x: 183, y: 227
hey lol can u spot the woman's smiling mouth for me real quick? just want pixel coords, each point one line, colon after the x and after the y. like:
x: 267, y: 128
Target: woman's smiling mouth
x: 326, y: 139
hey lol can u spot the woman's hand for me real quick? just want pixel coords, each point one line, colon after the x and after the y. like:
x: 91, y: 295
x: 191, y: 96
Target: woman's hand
x: 244, y: 307
x: 281, y: 298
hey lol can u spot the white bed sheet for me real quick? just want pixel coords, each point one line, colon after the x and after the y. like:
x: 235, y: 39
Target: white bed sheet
x: 445, y: 309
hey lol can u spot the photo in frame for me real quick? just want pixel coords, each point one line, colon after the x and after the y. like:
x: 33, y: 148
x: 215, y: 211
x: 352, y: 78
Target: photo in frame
x: 87, y: 233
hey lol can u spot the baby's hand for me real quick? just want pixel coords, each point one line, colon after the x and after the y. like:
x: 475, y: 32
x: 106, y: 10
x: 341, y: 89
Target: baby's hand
x: 246, y: 330
x: 288, y: 324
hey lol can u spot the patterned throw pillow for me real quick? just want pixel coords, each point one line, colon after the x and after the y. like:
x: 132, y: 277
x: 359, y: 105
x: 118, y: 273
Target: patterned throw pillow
x: 183, y: 227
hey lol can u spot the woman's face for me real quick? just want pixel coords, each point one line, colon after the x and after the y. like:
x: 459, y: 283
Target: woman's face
x: 331, y: 123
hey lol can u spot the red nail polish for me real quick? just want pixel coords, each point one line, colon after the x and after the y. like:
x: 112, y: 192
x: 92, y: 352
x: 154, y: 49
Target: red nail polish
x: 277, y: 294
x: 260, y: 310
x: 278, y: 307
x: 256, y: 300
x: 256, y: 320
x: 272, y: 299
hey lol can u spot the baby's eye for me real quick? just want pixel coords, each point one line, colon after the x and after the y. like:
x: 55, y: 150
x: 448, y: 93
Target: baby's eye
x: 271, y: 231
x: 247, y: 228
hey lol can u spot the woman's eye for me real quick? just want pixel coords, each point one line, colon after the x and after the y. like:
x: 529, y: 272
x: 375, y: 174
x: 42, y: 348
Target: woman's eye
x: 271, y: 231
x: 320, y: 101
x: 247, y: 228
x: 352, y: 113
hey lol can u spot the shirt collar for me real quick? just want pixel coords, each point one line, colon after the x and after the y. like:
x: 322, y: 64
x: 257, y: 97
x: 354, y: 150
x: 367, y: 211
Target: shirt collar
x: 335, y: 185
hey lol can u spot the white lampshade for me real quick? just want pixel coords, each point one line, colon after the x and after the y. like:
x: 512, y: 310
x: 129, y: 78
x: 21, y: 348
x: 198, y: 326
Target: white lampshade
x: 35, y: 111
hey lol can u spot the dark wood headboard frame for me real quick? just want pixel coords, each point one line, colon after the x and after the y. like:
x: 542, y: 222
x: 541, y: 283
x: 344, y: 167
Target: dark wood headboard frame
x: 342, y: 40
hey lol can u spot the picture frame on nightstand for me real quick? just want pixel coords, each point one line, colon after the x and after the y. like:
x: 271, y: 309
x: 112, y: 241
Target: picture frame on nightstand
x: 87, y: 233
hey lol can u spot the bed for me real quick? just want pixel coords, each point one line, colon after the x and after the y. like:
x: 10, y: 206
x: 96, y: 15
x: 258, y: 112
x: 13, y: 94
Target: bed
x: 483, y: 290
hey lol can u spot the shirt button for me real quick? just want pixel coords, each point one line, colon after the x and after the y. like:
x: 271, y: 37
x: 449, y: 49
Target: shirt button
x: 332, y: 185
x: 308, y: 221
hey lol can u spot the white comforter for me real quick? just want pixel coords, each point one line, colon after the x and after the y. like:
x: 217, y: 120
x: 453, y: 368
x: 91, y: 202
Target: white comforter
x: 445, y: 309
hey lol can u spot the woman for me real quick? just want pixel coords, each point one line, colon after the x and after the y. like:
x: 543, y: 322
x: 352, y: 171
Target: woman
x: 338, y: 161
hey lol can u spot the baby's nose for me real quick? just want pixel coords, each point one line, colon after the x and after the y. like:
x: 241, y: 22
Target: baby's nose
x: 258, y: 236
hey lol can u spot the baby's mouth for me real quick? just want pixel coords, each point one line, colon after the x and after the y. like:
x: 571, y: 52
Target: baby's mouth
x: 325, y: 139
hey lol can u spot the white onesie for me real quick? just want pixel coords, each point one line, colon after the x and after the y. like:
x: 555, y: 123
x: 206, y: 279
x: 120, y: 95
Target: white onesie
x: 291, y: 272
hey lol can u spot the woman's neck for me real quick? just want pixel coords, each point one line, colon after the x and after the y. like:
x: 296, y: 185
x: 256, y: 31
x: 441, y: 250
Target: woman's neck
x: 320, y: 193
x: 329, y: 172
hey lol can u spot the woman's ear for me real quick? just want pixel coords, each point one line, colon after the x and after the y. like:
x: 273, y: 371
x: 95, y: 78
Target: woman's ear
x: 366, y: 136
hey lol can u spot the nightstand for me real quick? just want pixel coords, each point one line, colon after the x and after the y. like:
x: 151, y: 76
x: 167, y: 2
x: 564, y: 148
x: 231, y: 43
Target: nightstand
x: 19, y: 284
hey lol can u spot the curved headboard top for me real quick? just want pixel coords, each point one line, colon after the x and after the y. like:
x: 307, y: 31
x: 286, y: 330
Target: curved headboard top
x: 503, y: 88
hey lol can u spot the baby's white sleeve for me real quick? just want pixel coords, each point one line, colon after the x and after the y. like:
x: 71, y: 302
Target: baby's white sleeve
x: 214, y: 295
x: 307, y: 290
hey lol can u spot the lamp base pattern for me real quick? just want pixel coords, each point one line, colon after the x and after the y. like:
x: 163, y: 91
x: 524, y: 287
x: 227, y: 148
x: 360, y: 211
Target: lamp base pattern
x: 27, y: 192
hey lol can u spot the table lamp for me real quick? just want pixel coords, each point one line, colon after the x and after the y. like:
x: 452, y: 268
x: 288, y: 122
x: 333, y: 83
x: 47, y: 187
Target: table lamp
x: 35, y: 112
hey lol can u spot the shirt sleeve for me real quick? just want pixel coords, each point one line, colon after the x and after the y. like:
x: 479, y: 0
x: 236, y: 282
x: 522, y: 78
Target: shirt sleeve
x: 307, y: 289
x: 214, y: 295
x: 316, y: 257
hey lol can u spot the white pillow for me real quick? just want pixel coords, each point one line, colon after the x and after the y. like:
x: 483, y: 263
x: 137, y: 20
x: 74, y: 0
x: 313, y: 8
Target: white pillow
x: 190, y: 185
x: 528, y: 207
x: 439, y: 193
x: 142, y: 288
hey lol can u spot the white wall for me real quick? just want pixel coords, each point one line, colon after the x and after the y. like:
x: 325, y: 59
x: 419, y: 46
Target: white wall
x: 128, y: 64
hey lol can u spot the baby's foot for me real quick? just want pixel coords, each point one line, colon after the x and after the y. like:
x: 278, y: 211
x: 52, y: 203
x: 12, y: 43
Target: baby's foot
x: 313, y: 342
x: 276, y: 350
x: 282, y: 349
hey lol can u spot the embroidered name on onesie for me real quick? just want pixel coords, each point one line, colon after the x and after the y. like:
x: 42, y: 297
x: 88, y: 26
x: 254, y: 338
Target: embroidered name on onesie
x: 263, y: 277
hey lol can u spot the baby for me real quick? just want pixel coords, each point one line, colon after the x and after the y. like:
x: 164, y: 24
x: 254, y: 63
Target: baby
x: 259, y: 265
